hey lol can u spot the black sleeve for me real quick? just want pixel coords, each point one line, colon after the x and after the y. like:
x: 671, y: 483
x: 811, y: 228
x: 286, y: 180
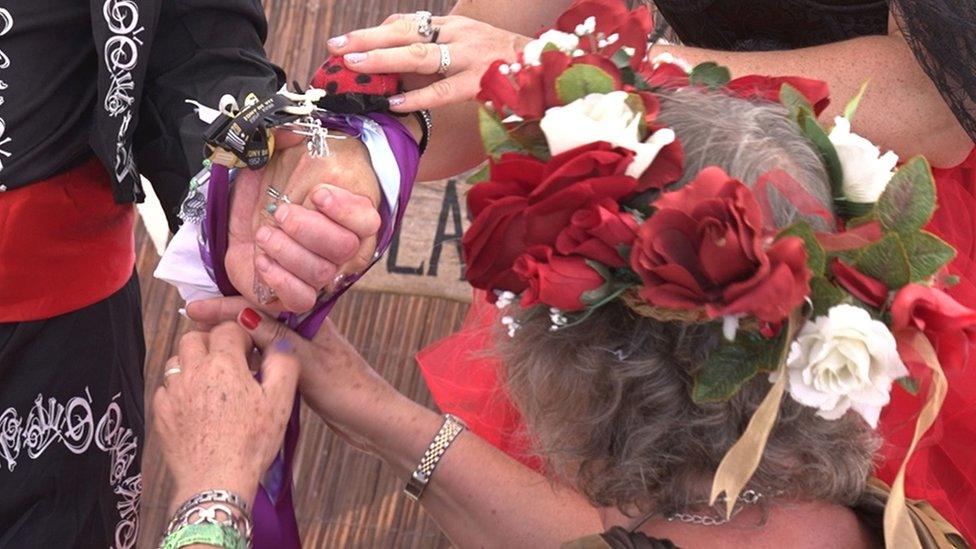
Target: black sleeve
x: 942, y: 33
x: 202, y: 50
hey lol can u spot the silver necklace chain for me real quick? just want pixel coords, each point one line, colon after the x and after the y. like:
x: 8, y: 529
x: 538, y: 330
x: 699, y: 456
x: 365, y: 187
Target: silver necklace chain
x: 748, y: 497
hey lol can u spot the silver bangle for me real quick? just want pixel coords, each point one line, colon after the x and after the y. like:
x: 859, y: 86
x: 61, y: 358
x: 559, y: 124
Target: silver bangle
x: 219, y: 507
x: 449, y: 431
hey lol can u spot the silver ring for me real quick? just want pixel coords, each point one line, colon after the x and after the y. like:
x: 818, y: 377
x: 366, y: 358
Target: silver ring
x: 424, y: 27
x: 169, y: 373
x: 445, y: 59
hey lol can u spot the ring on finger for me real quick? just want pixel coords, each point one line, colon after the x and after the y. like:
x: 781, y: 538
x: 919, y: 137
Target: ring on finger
x: 424, y: 27
x: 171, y: 372
x: 445, y: 59
x: 435, y: 34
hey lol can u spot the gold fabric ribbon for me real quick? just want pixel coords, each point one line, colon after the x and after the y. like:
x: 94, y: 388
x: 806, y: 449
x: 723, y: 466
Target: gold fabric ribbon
x: 899, y: 532
x: 742, y: 459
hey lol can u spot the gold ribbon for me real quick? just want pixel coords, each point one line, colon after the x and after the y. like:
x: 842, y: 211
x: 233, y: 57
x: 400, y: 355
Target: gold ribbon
x: 742, y: 459
x: 899, y: 531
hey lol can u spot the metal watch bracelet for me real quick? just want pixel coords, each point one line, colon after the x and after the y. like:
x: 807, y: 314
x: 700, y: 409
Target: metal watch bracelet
x: 449, y: 431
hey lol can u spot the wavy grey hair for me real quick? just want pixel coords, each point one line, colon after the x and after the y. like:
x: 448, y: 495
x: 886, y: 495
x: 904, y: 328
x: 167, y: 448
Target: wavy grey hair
x: 608, y: 403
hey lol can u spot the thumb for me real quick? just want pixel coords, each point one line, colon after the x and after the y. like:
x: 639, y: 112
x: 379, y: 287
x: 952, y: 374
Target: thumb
x: 267, y: 332
x: 279, y: 378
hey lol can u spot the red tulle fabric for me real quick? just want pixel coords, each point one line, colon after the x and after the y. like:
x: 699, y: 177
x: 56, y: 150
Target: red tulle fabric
x: 463, y: 377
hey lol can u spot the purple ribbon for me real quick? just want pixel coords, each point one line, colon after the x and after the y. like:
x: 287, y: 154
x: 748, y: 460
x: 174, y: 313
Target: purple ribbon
x: 275, y: 524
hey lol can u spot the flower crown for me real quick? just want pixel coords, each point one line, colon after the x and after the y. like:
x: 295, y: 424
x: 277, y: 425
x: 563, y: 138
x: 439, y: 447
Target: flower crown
x: 577, y: 207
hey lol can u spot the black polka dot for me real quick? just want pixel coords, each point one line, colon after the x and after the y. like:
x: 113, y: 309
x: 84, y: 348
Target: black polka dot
x: 333, y: 69
x: 332, y: 87
x: 364, y: 79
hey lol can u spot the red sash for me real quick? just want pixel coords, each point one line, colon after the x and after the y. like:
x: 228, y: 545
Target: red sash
x: 64, y: 244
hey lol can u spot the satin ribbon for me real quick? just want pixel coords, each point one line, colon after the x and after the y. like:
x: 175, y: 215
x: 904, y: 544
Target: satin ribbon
x: 275, y: 524
x: 899, y: 531
x: 742, y: 459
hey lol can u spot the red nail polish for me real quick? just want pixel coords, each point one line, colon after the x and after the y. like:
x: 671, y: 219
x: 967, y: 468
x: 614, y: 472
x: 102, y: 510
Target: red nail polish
x: 250, y: 318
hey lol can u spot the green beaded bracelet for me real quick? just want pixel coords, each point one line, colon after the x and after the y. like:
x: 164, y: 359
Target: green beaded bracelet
x: 205, y: 533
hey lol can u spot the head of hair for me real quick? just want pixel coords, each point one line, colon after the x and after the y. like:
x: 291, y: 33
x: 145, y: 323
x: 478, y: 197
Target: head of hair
x: 607, y: 403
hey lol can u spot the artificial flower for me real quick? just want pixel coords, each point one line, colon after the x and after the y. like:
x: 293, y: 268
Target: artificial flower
x: 528, y: 202
x: 609, y: 18
x: 563, y: 41
x: 868, y: 289
x: 603, y: 117
x: 598, y: 232
x: 704, y: 248
x: 843, y: 361
x: 767, y: 88
x: 866, y: 170
x: 555, y: 280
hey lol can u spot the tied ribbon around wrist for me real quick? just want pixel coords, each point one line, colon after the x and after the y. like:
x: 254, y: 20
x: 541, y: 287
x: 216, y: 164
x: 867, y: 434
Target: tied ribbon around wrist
x: 244, y: 141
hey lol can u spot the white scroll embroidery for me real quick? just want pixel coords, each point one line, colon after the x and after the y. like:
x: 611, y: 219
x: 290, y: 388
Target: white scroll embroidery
x: 6, y: 23
x: 121, y: 54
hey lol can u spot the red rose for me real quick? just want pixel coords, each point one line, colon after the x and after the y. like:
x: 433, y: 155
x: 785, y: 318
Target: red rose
x: 612, y: 17
x: 555, y: 280
x: 949, y: 325
x: 704, y: 247
x: 532, y: 90
x: 667, y: 167
x: 869, y: 290
x: 768, y: 87
x: 528, y: 202
x: 664, y: 75
x: 597, y: 232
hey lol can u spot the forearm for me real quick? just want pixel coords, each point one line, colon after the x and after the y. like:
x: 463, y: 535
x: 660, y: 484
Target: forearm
x: 479, y: 496
x: 902, y: 109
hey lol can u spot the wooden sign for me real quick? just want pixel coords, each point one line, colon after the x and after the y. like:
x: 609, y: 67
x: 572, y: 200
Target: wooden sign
x: 425, y: 257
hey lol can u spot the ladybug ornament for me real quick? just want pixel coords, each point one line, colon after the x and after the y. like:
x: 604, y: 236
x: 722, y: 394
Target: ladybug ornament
x: 351, y: 92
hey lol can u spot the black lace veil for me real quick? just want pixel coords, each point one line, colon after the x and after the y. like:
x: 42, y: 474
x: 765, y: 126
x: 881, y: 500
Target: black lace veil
x: 942, y: 33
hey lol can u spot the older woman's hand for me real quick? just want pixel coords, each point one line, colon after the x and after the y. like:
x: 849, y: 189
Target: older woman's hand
x: 396, y: 46
x: 220, y: 428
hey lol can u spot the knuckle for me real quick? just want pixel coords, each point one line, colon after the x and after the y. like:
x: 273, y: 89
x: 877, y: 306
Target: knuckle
x: 346, y: 245
x: 403, y: 26
x: 417, y: 50
x: 442, y: 89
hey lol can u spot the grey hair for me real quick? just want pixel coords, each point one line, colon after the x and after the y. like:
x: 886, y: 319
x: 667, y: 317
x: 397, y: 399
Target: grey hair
x: 608, y: 403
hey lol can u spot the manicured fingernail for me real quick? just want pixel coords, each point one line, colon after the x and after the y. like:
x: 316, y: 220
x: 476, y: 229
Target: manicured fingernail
x: 263, y: 235
x: 322, y: 196
x: 270, y: 208
x: 182, y: 311
x: 283, y: 346
x: 353, y: 58
x: 249, y: 318
x: 338, y: 41
x: 396, y: 100
x: 281, y: 213
x: 262, y: 263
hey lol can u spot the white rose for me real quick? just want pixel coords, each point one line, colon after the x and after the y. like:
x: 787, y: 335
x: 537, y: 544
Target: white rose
x: 667, y: 57
x: 866, y: 170
x: 563, y: 41
x: 603, y: 117
x: 845, y: 360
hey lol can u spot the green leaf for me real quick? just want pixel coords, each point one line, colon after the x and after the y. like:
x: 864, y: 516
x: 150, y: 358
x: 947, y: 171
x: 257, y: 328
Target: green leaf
x: 908, y: 201
x: 581, y: 80
x: 622, y: 59
x: 887, y: 261
x: 494, y: 135
x: 816, y: 256
x: 927, y: 254
x: 528, y: 137
x: 732, y: 364
x: 909, y: 384
x: 824, y: 294
x: 851, y: 106
x: 818, y: 137
x: 853, y: 210
x: 796, y: 102
x: 480, y: 175
x: 710, y: 74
